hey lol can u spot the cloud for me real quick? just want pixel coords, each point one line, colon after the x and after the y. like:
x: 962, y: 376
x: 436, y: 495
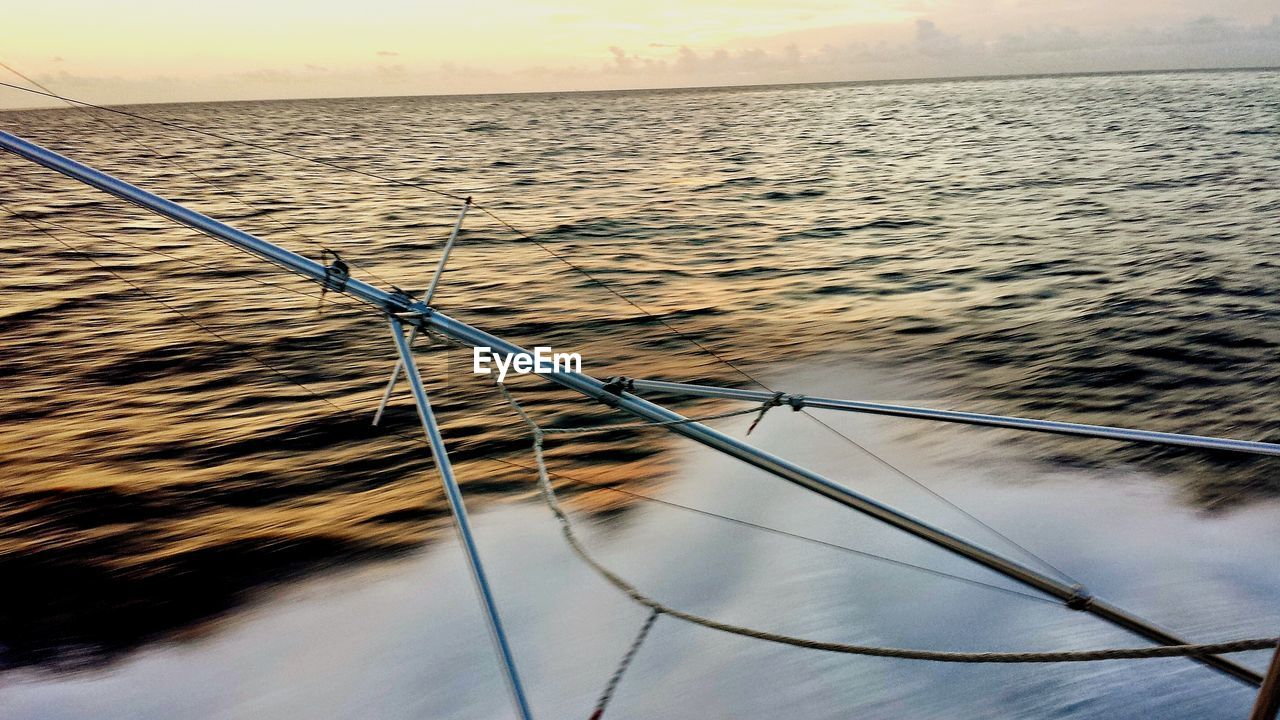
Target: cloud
x: 1199, y: 42
x: 932, y: 42
x: 1209, y: 29
x: 388, y: 53
x: 1044, y: 40
x: 927, y: 48
x: 921, y: 47
x: 620, y: 58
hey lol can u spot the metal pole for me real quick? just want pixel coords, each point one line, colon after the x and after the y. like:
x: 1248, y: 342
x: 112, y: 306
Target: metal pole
x: 1267, y: 706
x: 424, y: 316
x: 968, y: 418
x: 431, y: 291
x: 460, y: 521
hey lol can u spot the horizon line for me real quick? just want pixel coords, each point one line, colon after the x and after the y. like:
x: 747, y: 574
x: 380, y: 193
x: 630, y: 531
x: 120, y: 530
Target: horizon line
x: 743, y: 86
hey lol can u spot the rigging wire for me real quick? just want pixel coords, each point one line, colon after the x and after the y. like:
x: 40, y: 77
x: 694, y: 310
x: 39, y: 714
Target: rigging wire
x: 235, y: 347
x: 339, y: 300
x: 246, y: 143
x: 197, y: 231
x: 738, y: 521
x: 785, y: 533
x: 736, y: 368
x: 1026, y: 552
x: 154, y: 298
x: 169, y: 159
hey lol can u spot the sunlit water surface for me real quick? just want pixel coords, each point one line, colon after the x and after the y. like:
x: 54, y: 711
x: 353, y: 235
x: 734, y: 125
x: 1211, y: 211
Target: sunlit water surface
x: 181, y: 520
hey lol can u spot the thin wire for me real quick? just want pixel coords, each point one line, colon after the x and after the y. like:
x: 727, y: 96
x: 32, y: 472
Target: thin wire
x: 268, y: 148
x: 217, y: 187
x: 647, y: 424
x: 234, y: 346
x: 784, y: 533
x: 237, y: 141
x: 603, y: 284
x: 339, y: 300
x: 694, y: 341
x: 193, y: 229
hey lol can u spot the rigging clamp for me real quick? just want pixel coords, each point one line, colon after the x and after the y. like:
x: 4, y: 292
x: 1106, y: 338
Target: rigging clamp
x: 618, y: 384
x: 1080, y: 598
x: 336, y: 273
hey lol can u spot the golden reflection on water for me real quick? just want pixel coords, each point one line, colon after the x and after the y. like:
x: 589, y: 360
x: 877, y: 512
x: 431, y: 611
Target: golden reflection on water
x: 1083, y: 249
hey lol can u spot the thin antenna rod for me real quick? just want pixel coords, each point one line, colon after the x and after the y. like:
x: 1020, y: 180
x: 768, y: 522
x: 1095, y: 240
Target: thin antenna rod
x: 413, y: 334
x: 425, y: 317
x: 460, y: 522
x: 448, y: 247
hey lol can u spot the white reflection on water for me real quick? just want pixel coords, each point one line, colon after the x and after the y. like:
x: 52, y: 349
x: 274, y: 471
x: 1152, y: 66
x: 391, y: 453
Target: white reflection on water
x: 403, y: 639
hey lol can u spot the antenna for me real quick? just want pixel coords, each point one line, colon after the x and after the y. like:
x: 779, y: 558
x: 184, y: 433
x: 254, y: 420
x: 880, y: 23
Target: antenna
x: 431, y: 291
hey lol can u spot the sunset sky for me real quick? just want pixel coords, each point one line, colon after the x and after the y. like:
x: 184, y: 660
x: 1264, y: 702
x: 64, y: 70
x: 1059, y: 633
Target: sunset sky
x: 148, y: 51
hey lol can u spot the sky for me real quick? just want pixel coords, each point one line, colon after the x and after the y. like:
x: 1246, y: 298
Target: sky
x: 124, y: 51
